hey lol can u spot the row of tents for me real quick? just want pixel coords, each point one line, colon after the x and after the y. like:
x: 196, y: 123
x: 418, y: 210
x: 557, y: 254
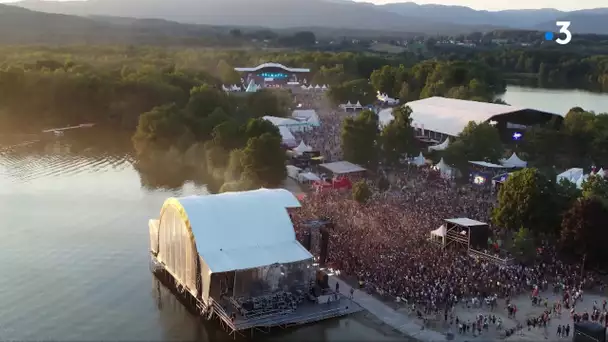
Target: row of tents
x: 577, y: 176
x: 317, y: 87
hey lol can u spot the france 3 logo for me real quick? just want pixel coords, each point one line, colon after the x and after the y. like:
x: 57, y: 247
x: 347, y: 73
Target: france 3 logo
x: 563, y: 30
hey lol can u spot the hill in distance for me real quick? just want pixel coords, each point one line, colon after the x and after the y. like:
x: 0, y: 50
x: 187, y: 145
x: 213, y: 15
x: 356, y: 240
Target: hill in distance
x: 276, y: 14
x: 583, y: 21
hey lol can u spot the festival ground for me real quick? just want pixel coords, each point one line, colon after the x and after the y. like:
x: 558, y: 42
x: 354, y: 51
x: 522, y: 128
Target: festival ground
x: 401, y: 318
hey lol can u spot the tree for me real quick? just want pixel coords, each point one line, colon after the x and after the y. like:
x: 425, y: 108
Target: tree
x: 226, y: 73
x: 361, y: 192
x: 596, y: 186
x: 479, y: 142
x: 398, y: 136
x: 235, y: 169
x: 360, y: 139
x: 162, y: 127
x: 584, y: 231
x: 264, y: 161
x: 523, y: 244
x: 258, y: 126
x: 526, y: 199
x: 228, y: 134
x: 353, y: 91
x: 269, y: 102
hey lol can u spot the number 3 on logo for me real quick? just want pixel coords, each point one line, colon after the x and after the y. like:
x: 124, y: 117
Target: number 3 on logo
x: 564, y: 25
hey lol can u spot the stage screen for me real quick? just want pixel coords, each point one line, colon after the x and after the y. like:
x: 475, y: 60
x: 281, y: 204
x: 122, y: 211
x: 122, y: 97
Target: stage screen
x: 480, y: 178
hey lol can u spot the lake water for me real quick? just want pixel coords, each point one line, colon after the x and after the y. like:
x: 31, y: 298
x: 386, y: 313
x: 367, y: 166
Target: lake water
x: 74, y: 250
x: 558, y: 101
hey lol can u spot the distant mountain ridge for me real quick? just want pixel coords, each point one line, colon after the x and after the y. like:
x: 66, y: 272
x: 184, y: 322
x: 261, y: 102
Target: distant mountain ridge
x: 336, y: 14
x: 583, y: 21
x: 274, y: 14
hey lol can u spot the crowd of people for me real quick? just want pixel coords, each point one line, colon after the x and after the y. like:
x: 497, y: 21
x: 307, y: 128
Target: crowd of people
x: 385, y: 243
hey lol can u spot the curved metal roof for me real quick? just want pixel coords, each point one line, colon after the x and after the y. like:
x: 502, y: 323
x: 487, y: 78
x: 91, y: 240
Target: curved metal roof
x: 272, y: 65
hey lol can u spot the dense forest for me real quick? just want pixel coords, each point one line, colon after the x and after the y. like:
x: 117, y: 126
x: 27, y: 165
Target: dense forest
x: 172, y: 99
x: 546, y: 67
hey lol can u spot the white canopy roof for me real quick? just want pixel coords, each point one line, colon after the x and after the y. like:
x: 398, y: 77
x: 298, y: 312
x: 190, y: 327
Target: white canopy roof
x: 302, y: 148
x: 582, y: 179
x: 419, y: 161
x: 317, y: 87
x: 441, y: 231
x: 244, y: 230
x: 308, y: 176
x: 287, y: 136
x: 489, y: 165
x: 278, y: 121
x: 571, y: 175
x: 342, y: 167
x: 601, y: 173
x: 514, y: 161
x: 304, y: 87
x: 440, y: 147
x: 450, y: 116
x: 307, y: 115
x: 324, y: 87
x: 465, y: 222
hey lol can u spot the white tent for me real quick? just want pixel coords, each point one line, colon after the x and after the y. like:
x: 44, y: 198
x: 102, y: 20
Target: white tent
x: 300, y: 149
x: 287, y: 136
x: 571, y: 175
x: 304, y: 87
x: 419, y: 161
x: 514, y: 161
x: 224, y: 88
x: 601, y: 173
x: 317, y: 87
x: 306, y: 116
x: 324, y: 87
x: 358, y: 105
x: 582, y: 179
x: 440, y: 147
x: 308, y: 177
x: 444, y: 169
x: 310, y: 87
x: 439, y: 234
x: 235, y: 87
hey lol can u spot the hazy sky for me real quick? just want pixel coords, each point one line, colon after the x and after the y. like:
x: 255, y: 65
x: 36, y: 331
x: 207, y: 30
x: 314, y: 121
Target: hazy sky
x: 494, y: 5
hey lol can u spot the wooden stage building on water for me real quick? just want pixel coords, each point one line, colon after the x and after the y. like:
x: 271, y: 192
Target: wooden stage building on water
x: 234, y: 256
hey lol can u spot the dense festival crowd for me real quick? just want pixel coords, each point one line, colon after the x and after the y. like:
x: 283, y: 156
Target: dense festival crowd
x: 385, y: 243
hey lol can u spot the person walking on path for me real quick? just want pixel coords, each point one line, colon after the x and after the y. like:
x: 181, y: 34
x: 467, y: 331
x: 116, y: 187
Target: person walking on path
x: 352, y: 293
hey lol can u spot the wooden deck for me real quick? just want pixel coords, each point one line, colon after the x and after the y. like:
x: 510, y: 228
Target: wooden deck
x: 304, y: 314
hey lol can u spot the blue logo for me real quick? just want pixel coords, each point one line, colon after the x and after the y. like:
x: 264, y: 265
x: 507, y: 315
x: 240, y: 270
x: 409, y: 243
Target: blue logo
x: 549, y: 36
x: 517, y: 136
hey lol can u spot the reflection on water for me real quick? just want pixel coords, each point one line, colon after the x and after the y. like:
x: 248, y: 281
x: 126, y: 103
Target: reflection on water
x: 558, y: 101
x: 74, y: 246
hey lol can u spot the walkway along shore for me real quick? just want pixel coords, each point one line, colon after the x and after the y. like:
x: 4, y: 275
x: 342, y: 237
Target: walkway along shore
x: 402, y: 323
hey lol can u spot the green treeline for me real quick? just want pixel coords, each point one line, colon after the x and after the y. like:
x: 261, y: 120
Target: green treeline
x: 549, y: 67
x: 64, y: 85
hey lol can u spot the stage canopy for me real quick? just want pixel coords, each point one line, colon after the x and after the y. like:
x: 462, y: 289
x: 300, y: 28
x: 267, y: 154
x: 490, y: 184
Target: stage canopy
x: 242, y: 230
x: 441, y: 146
x: 342, y: 167
x: 489, y: 165
x: 514, y: 161
x: 465, y: 222
x: 286, y: 136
